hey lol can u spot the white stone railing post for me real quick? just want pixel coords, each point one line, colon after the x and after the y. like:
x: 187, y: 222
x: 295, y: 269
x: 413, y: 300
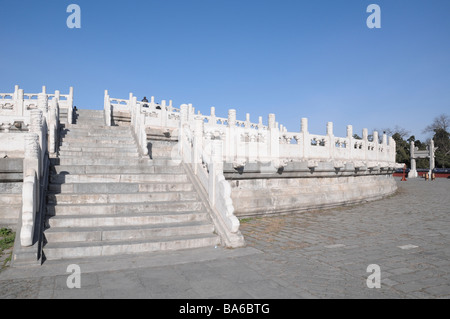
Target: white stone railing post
x: 30, y: 189
x: 376, y: 142
x: 142, y: 132
x: 182, y: 148
x: 19, y: 104
x: 70, y: 106
x: 53, y: 127
x: 212, y: 119
x: 413, y: 171
x: 331, y: 141
x: 386, y: 147
x: 350, y: 145
x: 29, y: 207
x: 304, y: 138
x: 107, y: 108
x: 231, y: 137
x: 197, y: 143
x: 365, y: 135
x: 36, y: 126
x: 392, y: 150
x: 163, y: 113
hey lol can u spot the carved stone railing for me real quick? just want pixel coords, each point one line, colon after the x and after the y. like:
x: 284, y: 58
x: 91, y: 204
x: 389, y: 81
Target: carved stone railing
x: 206, y: 143
x: 34, y: 140
x: 16, y: 107
x: 204, y: 159
x: 12, y: 142
x: 36, y: 166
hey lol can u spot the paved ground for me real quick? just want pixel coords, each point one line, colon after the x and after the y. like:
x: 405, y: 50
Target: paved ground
x: 323, y: 254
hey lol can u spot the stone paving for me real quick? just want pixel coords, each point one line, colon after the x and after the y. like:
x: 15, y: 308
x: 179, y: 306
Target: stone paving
x: 319, y: 254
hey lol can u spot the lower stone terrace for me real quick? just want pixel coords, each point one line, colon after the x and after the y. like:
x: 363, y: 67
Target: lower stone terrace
x: 319, y: 254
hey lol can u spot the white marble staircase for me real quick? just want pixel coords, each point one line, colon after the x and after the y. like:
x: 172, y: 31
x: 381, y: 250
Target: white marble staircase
x: 105, y: 199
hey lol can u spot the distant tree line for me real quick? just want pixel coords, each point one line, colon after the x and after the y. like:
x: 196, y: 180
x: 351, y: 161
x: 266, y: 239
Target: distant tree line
x: 439, y: 129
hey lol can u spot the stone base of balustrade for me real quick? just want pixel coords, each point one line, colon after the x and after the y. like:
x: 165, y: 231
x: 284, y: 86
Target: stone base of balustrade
x: 256, y: 192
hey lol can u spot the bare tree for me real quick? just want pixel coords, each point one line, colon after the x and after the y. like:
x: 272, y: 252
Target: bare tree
x: 440, y: 122
x: 397, y: 129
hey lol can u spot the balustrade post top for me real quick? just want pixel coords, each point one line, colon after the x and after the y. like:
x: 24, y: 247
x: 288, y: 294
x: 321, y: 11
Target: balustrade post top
x: 330, y: 128
x: 304, y: 125
x: 213, y: 111
x: 44, y: 89
x: 231, y: 117
x: 349, y: 131
x: 106, y: 92
x: 247, y: 119
x: 365, y: 134
x: 271, y: 121
x: 199, y: 123
x: 375, y: 136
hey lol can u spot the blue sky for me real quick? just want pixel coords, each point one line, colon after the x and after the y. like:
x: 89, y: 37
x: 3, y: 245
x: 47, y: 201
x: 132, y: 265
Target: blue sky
x: 315, y: 59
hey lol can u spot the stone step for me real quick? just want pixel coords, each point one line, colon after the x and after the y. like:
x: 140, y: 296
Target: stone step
x: 96, y: 154
x: 89, y: 111
x: 90, y: 148
x: 124, y: 136
x: 165, y: 161
x: 11, y: 176
x: 10, y: 199
x: 155, y: 153
x: 110, y: 198
x: 121, y: 208
x: 11, y: 188
x: 128, y: 219
x: 117, y: 188
x: 117, y: 178
x: 95, y: 249
x: 9, y: 214
x: 98, y: 161
x: 111, y: 169
x: 89, y: 234
x: 82, y: 119
x: 82, y: 127
x: 162, y: 142
x: 90, y: 141
x: 101, y: 144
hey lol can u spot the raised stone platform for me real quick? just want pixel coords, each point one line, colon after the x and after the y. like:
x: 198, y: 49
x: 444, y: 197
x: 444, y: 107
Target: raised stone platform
x: 105, y: 199
x: 11, y: 181
x: 256, y: 197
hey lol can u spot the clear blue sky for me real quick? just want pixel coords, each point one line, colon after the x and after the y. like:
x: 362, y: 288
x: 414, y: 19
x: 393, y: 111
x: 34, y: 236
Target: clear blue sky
x: 294, y: 58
